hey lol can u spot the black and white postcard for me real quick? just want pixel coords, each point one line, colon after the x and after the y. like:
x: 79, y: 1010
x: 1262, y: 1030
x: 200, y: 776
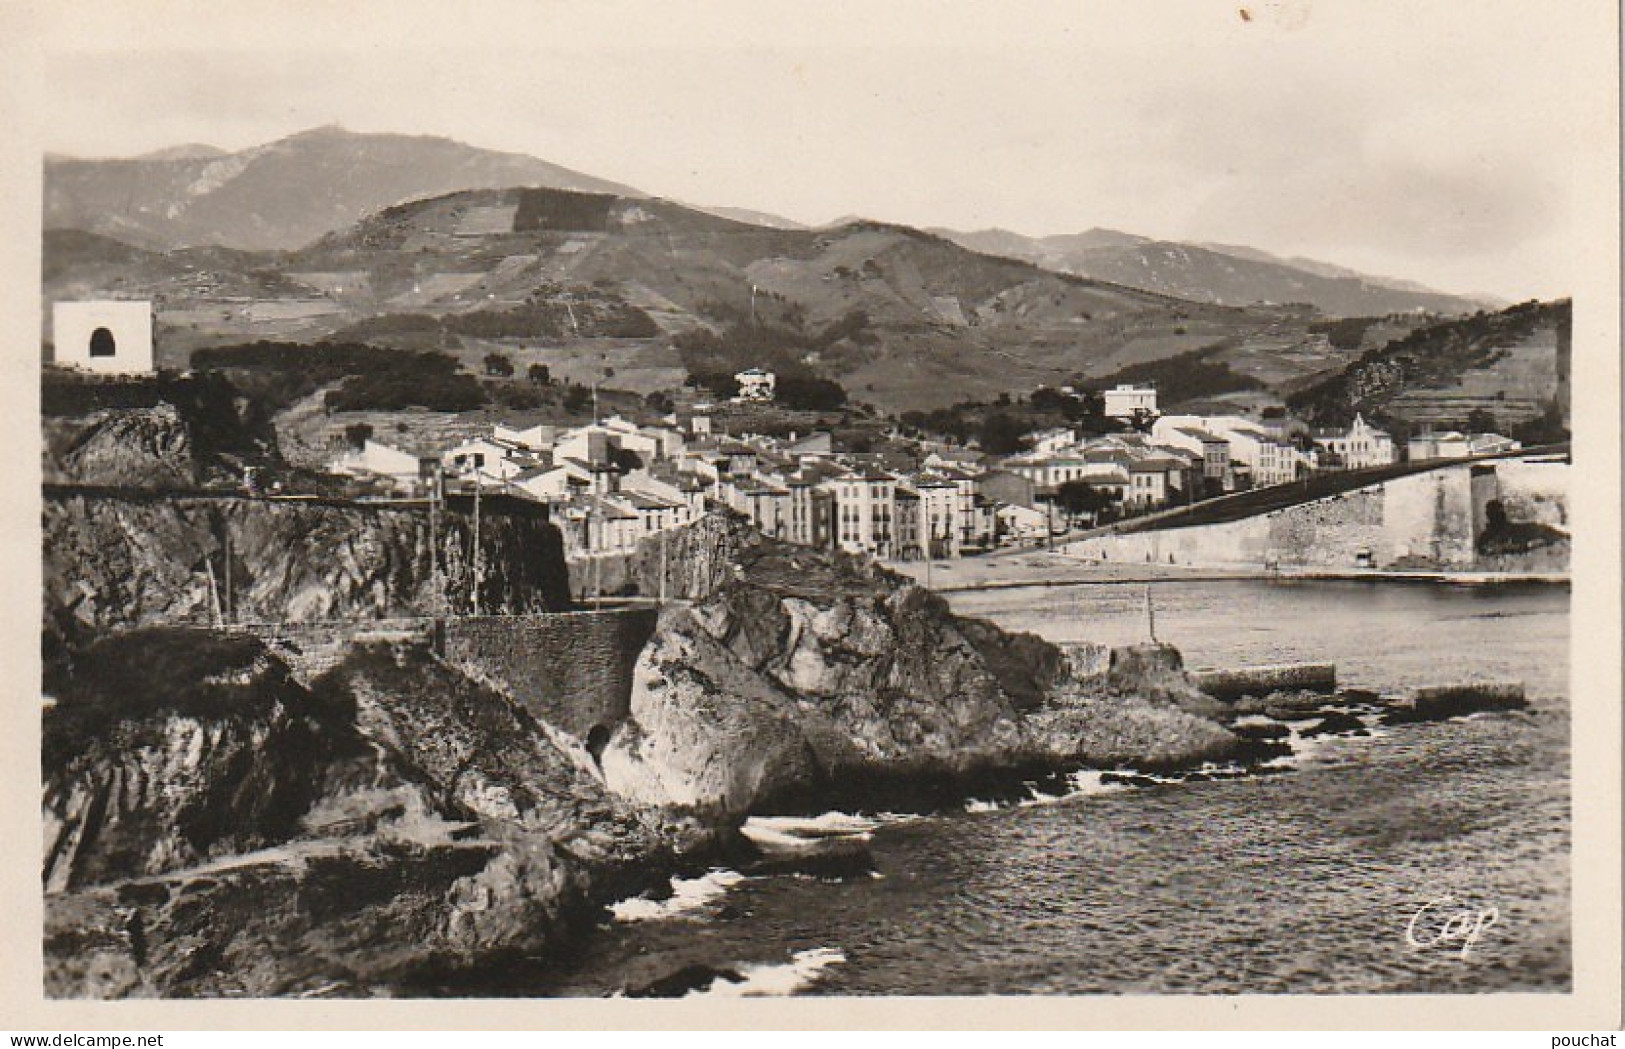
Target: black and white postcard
x: 756, y: 514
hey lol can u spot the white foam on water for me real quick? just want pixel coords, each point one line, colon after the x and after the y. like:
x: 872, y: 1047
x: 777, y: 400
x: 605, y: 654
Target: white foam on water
x: 978, y: 805
x: 1089, y: 782
x: 804, y: 832
x: 830, y: 824
x: 802, y: 970
x: 687, y: 895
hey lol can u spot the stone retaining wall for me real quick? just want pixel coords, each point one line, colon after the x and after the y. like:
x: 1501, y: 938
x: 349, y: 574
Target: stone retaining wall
x: 572, y: 671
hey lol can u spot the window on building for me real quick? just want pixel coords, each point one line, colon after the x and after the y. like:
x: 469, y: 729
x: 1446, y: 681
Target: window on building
x: 102, y: 343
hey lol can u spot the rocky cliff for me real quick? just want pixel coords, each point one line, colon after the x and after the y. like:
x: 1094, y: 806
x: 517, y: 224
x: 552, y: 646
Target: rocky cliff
x: 114, y: 560
x: 215, y: 828
x: 161, y: 432
x: 795, y: 680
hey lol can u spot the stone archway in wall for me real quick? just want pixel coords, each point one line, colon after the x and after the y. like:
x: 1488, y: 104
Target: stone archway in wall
x: 102, y: 343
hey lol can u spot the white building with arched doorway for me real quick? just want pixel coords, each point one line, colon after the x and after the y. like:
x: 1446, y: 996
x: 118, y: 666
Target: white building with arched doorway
x: 106, y: 337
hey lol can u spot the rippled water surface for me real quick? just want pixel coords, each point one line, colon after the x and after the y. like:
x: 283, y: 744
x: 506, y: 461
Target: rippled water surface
x: 1304, y: 881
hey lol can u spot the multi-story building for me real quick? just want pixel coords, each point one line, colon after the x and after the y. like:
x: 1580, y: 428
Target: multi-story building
x: 1359, y: 446
x: 939, y: 515
x: 1268, y: 459
x: 1130, y: 401
x: 864, y: 512
x: 755, y: 384
x: 1213, y: 450
x: 909, y: 542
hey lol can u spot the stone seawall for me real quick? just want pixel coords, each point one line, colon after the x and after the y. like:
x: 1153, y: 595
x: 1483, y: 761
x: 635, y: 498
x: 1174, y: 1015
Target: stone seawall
x: 1429, y: 520
x: 572, y: 670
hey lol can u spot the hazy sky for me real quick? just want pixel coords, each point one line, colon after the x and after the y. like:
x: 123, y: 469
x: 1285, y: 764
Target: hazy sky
x: 1437, y: 141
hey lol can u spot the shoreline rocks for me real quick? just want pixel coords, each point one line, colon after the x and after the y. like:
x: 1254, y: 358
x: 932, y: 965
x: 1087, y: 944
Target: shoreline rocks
x: 399, y: 825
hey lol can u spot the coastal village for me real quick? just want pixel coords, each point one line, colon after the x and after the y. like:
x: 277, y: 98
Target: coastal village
x: 610, y: 483
x: 402, y: 653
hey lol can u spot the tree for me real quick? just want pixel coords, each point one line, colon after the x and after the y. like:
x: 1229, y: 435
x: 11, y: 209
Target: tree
x: 1078, y: 498
x: 1480, y: 420
x: 1545, y: 428
x: 809, y: 393
x: 1002, y: 434
x: 539, y: 375
x: 576, y: 397
x: 358, y: 434
x: 657, y: 401
x: 498, y: 364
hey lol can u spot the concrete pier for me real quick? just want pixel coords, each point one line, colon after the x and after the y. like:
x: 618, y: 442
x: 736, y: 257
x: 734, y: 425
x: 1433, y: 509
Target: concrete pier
x: 1232, y: 684
x: 1432, y: 702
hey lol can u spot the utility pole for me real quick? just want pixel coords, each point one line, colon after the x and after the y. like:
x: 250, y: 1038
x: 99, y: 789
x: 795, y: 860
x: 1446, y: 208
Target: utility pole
x: 930, y: 544
x: 214, y: 592
x: 226, y: 539
x: 597, y: 569
x: 475, y: 565
x: 662, y: 567
x: 436, y: 489
x: 1150, y: 615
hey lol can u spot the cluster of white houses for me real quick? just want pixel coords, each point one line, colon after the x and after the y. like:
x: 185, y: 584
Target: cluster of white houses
x: 1182, y: 458
x: 610, y: 483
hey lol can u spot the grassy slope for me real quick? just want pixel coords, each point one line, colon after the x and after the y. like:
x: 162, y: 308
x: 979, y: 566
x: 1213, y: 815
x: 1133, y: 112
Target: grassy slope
x: 949, y: 323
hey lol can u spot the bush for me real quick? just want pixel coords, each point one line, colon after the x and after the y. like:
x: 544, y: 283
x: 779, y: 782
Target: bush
x: 1184, y: 377
x: 373, y: 378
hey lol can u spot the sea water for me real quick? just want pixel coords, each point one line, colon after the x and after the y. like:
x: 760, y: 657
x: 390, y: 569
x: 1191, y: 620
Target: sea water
x: 1424, y: 858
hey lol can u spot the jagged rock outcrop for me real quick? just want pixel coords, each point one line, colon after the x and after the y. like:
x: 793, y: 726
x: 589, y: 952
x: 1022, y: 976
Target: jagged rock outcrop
x: 146, y: 447
x: 161, y: 432
x: 803, y: 679
x: 170, y: 748
x: 244, y: 835
x: 134, y: 559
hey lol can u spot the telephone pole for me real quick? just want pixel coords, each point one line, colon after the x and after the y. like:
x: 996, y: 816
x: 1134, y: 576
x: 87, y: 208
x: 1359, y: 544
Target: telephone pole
x: 476, y: 561
x: 437, y: 595
x: 662, y: 601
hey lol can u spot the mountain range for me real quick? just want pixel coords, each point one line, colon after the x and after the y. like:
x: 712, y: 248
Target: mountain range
x: 285, y: 194
x: 901, y: 317
x: 1223, y: 274
x: 282, y: 195
x: 423, y: 242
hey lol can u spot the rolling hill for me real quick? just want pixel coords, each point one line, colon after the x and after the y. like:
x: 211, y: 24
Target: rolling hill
x: 902, y: 318
x: 281, y: 195
x: 1219, y: 274
x: 1512, y: 364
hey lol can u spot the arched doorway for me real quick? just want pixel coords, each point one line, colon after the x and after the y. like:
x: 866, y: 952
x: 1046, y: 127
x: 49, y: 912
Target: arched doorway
x: 102, y: 343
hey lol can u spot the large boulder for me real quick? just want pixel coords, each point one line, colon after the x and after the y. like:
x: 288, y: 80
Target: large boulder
x: 802, y: 680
